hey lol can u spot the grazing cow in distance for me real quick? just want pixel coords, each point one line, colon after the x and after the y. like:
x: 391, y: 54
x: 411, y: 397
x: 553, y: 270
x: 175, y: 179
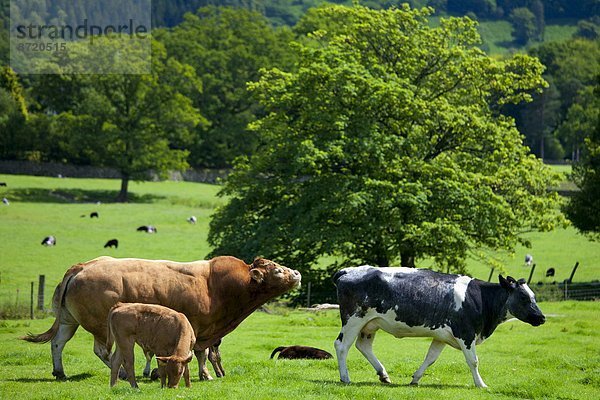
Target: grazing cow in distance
x: 112, y: 243
x: 454, y: 310
x: 147, y: 229
x: 5, y: 201
x: 192, y: 220
x: 49, y: 241
x: 2, y: 183
x: 550, y: 272
x: 301, y: 352
x: 157, y: 329
x: 528, y: 260
x: 215, y: 295
x: 94, y: 214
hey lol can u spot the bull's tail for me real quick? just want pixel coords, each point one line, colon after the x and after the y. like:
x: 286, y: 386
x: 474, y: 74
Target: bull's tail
x: 336, y: 277
x: 57, y: 301
x: 43, y: 337
x: 277, y: 350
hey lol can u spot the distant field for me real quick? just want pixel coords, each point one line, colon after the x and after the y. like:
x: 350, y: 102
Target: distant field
x: 558, y: 360
x: 61, y: 207
x: 497, y: 34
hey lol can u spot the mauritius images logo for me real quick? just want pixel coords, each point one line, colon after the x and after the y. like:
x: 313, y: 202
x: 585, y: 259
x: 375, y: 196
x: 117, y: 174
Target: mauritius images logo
x: 97, y: 37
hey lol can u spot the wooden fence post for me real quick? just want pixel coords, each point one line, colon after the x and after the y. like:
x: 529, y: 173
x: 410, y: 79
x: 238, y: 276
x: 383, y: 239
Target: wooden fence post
x: 308, y: 296
x: 491, y: 273
x: 31, y: 302
x: 531, y: 273
x: 41, y: 286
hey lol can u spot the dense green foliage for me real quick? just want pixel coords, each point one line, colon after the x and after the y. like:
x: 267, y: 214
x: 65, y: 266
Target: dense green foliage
x: 374, y: 158
x: 553, y: 123
x: 227, y: 47
x: 583, y: 207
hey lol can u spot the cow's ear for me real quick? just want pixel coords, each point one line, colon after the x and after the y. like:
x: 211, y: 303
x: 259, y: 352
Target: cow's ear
x: 256, y: 275
x: 162, y: 360
x: 509, y: 283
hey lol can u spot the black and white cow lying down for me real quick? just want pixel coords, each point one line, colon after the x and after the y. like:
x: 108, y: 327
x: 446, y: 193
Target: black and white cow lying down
x: 407, y: 302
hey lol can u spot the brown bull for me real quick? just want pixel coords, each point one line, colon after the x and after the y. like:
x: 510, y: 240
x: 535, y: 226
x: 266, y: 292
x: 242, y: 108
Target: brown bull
x: 215, y: 295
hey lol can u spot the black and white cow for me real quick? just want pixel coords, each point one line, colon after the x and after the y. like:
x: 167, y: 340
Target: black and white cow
x: 452, y: 309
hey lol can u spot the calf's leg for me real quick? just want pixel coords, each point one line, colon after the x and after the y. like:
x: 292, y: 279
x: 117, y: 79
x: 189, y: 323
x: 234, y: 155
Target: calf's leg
x: 473, y: 362
x: 364, y: 344
x: 433, y: 353
x: 115, y: 363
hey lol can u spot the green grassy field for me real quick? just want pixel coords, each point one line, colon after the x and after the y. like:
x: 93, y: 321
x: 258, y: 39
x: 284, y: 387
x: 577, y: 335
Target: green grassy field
x: 558, y: 360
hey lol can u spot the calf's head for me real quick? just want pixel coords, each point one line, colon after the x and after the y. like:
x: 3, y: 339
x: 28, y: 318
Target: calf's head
x: 273, y: 277
x: 171, y: 369
x: 521, y: 301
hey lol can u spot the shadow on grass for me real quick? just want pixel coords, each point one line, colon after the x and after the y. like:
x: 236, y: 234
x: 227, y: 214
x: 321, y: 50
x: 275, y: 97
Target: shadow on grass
x: 74, y: 378
x: 390, y: 385
x: 37, y: 195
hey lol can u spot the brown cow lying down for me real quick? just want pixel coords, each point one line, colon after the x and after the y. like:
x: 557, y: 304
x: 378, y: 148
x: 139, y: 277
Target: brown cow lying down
x: 215, y: 295
x: 297, y: 352
x: 157, y: 329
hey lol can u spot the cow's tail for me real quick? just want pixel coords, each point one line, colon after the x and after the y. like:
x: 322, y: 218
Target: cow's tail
x: 336, y: 277
x: 277, y: 350
x: 57, y: 301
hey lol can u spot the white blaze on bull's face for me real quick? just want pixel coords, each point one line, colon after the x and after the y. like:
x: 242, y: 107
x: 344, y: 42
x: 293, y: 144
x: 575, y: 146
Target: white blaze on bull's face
x: 274, y: 275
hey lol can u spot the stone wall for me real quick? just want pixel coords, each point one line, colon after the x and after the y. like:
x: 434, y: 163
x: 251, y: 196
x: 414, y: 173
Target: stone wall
x: 86, y: 171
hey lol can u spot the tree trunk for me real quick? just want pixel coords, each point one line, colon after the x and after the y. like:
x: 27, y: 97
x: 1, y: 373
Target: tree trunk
x: 122, y: 198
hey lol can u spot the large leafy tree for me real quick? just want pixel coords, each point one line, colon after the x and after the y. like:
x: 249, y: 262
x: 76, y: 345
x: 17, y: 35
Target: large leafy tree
x: 137, y: 123
x: 387, y: 146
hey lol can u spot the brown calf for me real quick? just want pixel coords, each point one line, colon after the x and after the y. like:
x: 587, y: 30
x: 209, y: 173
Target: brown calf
x: 158, y: 330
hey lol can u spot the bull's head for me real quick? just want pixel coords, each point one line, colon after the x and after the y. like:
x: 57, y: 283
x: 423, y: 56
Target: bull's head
x: 269, y: 274
x: 521, y: 301
x: 171, y: 369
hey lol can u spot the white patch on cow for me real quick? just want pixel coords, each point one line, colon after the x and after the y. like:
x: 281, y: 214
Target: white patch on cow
x: 460, y: 290
x: 529, y: 292
x: 373, y: 321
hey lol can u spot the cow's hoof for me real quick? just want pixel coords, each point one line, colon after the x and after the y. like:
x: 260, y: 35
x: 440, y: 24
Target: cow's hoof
x: 414, y: 384
x: 59, y: 375
x: 122, y: 374
x: 206, y: 378
x: 385, y: 379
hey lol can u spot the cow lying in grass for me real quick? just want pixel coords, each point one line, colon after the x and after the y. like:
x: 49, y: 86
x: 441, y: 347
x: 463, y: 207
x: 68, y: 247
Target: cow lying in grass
x: 454, y: 310
x: 301, y: 352
x: 158, y: 330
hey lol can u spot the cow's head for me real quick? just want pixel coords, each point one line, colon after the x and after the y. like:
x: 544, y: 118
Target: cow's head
x: 171, y: 368
x: 274, y: 277
x: 521, y: 301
